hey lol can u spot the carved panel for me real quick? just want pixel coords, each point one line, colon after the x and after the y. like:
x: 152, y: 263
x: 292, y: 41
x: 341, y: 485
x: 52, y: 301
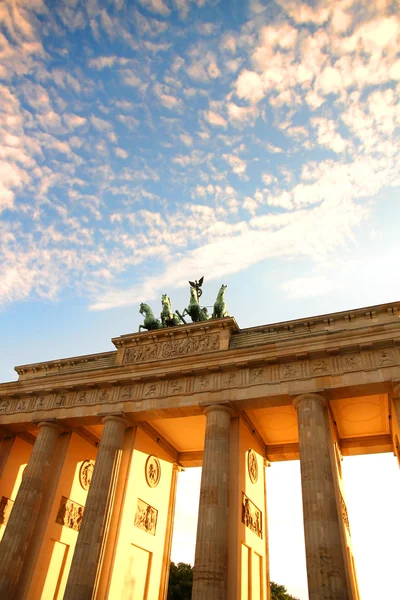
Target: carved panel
x: 152, y: 471
x: 70, y: 514
x: 288, y: 371
x: 126, y: 392
x: 252, y: 465
x: 257, y: 375
x: 345, y: 515
x: 86, y: 473
x: 4, y: 406
x: 385, y: 357
x: 146, y: 517
x: 251, y: 515
x: 171, y: 349
x: 22, y: 404
x: 5, y: 508
x: 320, y: 366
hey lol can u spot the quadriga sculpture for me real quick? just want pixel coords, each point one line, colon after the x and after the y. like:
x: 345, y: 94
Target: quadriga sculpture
x: 168, y: 318
x: 219, y: 305
x: 150, y: 322
x: 194, y: 310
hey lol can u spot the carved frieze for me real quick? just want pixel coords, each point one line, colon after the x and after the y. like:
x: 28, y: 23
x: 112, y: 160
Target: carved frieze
x: 252, y: 466
x: 6, y: 505
x: 152, y: 471
x: 86, y: 473
x: 251, y: 516
x: 146, y: 517
x: 70, y: 514
x: 171, y: 349
x: 335, y: 364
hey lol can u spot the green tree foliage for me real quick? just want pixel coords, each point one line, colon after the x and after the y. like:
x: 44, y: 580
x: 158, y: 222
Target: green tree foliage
x: 279, y: 592
x: 181, y: 581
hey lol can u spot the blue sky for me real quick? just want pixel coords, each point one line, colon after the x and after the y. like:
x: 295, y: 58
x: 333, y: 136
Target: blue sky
x: 144, y: 143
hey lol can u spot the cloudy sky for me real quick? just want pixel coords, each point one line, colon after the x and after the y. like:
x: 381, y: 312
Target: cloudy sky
x: 147, y: 142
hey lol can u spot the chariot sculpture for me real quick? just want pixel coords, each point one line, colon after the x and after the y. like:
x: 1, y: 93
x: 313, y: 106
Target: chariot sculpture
x: 169, y: 318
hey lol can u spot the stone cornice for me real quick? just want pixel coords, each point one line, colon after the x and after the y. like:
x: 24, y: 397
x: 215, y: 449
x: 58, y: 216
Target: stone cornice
x: 174, y: 333
x: 218, y: 361
x: 188, y: 387
x: 59, y: 364
x: 330, y: 319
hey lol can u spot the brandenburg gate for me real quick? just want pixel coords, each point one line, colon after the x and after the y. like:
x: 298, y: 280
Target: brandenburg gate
x: 91, y: 447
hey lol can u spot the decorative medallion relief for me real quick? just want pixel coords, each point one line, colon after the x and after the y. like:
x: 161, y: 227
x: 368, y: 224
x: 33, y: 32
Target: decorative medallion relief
x: 171, y: 349
x: 152, y: 471
x: 251, y: 515
x: 252, y: 466
x: 86, y: 473
x: 5, y: 508
x: 70, y: 514
x: 345, y: 515
x: 146, y: 517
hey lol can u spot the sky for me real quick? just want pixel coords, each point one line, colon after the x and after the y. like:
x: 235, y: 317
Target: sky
x: 147, y: 142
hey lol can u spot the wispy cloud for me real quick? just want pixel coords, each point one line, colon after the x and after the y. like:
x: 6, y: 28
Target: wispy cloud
x: 172, y: 142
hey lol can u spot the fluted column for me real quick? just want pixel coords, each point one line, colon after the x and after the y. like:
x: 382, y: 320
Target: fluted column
x: 21, y: 523
x: 211, y: 559
x: 86, y: 562
x: 326, y: 569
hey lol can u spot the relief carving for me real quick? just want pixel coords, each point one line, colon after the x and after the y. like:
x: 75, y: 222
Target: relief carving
x: 40, y: 402
x: 151, y: 391
x: 82, y: 397
x: 345, y: 515
x: 69, y: 514
x: 104, y: 396
x: 22, y: 405
x: 86, y: 473
x: 126, y: 392
x: 4, y: 404
x: 152, y: 471
x: 385, y: 357
x: 61, y: 400
x: 171, y: 349
x: 5, y: 508
x: 252, y: 466
x: 146, y: 517
x: 230, y: 379
x: 175, y: 387
x: 257, y: 375
x: 350, y: 362
x: 289, y: 371
x: 320, y: 366
x: 251, y: 516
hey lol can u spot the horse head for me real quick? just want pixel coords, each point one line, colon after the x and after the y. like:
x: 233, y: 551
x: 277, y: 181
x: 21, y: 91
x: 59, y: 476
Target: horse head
x: 222, y: 289
x: 144, y: 308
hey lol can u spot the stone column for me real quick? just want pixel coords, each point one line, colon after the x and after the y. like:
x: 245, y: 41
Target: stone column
x: 326, y: 570
x: 87, y: 558
x: 21, y: 523
x: 211, y: 559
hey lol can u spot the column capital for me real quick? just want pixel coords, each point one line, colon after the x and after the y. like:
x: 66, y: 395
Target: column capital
x: 118, y: 418
x: 315, y: 397
x: 50, y: 425
x: 222, y: 407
